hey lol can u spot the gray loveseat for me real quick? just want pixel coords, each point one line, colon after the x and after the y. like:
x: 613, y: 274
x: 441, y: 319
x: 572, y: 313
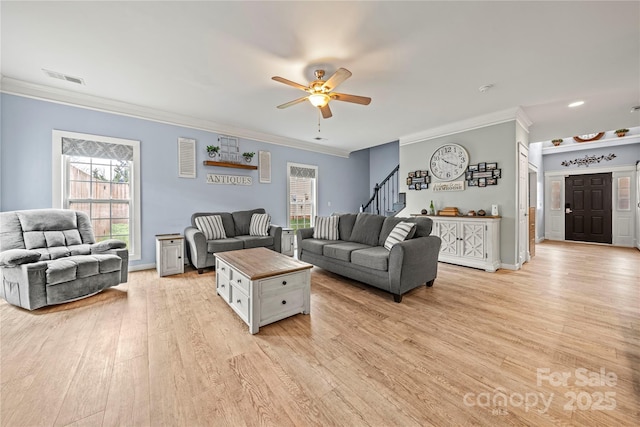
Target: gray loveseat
x: 236, y: 227
x: 360, y: 254
x: 50, y: 256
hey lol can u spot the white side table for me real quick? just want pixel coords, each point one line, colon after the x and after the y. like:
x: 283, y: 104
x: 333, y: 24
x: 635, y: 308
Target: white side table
x: 169, y: 251
x: 286, y: 244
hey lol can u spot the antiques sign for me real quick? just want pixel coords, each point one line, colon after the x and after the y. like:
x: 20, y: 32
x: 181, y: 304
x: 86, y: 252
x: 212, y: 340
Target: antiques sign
x: 448, y: 186
x: 214, y: 178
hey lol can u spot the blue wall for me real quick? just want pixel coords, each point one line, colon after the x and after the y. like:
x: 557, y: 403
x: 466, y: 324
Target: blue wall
x: 167, y: 201
x: 625, y: 155
x: 382, y: 160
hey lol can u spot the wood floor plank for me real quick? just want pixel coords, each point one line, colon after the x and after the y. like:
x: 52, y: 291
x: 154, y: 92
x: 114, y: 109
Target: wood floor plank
x: 169, y: 351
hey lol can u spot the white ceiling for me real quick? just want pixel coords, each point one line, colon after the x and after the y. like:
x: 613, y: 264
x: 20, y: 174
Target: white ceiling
x: 211, y: 63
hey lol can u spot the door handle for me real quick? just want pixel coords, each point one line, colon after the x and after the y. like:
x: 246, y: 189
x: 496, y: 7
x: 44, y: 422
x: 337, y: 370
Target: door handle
x: 568, y: 210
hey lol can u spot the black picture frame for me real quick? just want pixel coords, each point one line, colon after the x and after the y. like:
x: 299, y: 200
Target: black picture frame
x: 409, y: 180
x: 417, y: 186
x: 412, y: 174
x: 473, y: 168
x: 473, y: 183
x: 482, y: 182
x: 482, y: 167
x: 418, y: 174
x: 491, y: 166
x: 497, y: 173
x: 427, y: 179
x: 424, y: 173
x: 492, y: 181
x: 424, y: 186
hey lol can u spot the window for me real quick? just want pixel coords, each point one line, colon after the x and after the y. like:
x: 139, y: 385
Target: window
x: 302, y: 185
x: 100, y: 176
x: 624, y: 193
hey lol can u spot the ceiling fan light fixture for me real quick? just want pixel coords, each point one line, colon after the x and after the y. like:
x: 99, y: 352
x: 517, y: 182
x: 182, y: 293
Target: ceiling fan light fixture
x: 319, y: 99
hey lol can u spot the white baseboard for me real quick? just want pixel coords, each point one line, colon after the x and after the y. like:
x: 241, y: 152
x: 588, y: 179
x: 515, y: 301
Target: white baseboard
x: 140, y: 267
x: 513, y: 267
x: 539, y: 239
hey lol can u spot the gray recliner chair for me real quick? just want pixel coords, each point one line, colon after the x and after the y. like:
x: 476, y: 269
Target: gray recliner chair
x: 50, y: 256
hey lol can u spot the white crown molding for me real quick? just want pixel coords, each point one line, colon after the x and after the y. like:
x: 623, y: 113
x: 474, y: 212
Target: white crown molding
x: 478, y: 122
x: 549, y: 148
x: 91, y: 102
x: 523, y: 119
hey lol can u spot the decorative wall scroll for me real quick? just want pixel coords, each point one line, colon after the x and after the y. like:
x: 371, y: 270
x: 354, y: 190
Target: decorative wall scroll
x: 418, y: 180
x: 588, y: 160
x: 483, y: 174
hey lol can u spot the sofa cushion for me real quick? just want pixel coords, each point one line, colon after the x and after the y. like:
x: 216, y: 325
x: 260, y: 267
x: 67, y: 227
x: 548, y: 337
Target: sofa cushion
x: 326, y: 227
x: 56, y: 252
x: 376, y: 258
x: 242, y: 221
x: 221, y: 245
x: 315, y: 245
x: 342, y: 250
x: 367, y: 229
x: 345, y: 225
x: 256, y: 241
x: 423, y: 225
x: 259, y: 225
x: 211, y: 226
x: 227, y: 221
x: 72, y: 237
x: 83, y: 249
x: 85, y: 265
x: 389, y: 224
x: 47, y: 219
x: 399, y: 233
x: 108, y: 262
x: 60, y: 270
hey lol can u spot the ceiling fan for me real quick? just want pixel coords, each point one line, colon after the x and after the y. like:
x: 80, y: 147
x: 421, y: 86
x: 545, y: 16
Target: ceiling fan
x: 320, y: 91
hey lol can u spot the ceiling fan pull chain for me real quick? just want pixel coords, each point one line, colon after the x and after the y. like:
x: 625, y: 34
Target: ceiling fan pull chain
x: 319, y: 114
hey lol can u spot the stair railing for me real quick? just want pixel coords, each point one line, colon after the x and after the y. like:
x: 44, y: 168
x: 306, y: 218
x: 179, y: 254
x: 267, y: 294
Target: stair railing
x: 385, y: 195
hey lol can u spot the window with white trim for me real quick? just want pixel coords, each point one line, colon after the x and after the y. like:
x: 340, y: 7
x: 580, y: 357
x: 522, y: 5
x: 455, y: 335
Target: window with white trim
x: 100, y: 176
x: 302, y: 195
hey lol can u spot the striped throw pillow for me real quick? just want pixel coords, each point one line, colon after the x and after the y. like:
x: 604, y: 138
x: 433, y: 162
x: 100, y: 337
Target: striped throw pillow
x: 211, y: 226
x: 259, y: 225
x: 398, y: 234
x: 326, y: 227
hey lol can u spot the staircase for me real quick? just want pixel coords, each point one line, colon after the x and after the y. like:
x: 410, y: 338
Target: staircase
x: 386, y: 199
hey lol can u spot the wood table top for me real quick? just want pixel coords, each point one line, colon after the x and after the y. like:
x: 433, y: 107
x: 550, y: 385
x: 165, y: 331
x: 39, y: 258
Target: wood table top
x: 258, y: 263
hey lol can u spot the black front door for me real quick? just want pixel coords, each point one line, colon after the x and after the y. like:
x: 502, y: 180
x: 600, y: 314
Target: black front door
x: 588, y: 208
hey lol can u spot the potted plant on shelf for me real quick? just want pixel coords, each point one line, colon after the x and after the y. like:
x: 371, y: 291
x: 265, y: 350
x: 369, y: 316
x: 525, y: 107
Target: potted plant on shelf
x: 622, y: 132
x: 212, y: 150
x: 248, y: 156
x: 556, y: 141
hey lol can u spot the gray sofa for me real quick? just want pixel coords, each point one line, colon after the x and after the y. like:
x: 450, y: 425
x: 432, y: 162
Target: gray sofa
x: 236, y: 226
x: 360, y: 254
x: 50, y: 256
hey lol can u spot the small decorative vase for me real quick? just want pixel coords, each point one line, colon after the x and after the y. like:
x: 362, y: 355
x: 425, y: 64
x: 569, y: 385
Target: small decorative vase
x: 212, y: 154
x: 556, y: 142
x: 248, y: 159
x: 621, y: 134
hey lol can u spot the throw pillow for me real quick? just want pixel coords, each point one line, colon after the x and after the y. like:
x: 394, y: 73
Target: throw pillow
x: 398, y: 234
x: 326, y: 227
x: 211, y: 226
x: 259, y: 225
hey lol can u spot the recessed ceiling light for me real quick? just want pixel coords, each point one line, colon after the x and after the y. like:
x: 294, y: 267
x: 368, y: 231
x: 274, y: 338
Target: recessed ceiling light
x: 576, y: 104
x: 485, y: 88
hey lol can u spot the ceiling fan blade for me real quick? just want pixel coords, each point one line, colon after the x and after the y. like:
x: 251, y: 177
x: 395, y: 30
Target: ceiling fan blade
x: 338, y: 77
x: 326, y: 111
x: 294, y: 102
x: 290, y: 83
x: 363, y: 100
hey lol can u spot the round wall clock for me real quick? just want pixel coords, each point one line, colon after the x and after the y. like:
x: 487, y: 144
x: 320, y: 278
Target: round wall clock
x: 449, y: 161
x: 589, y: 137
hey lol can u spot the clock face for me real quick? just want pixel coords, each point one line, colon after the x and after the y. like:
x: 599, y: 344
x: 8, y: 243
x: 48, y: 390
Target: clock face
x: 449, y: 162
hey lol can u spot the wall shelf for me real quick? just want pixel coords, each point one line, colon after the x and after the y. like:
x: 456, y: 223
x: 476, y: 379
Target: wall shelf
x: 229, y: 165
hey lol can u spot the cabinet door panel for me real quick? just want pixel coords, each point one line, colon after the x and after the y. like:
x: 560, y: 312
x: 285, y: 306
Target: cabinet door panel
x: 449, y: 235
x: 473, y: 241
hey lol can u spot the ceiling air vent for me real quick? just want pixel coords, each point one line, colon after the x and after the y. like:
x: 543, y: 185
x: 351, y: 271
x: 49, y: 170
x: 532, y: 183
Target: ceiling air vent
x: 65, y: 77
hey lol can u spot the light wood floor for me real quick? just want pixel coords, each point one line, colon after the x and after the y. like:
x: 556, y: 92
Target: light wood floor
x: 168, y: 351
